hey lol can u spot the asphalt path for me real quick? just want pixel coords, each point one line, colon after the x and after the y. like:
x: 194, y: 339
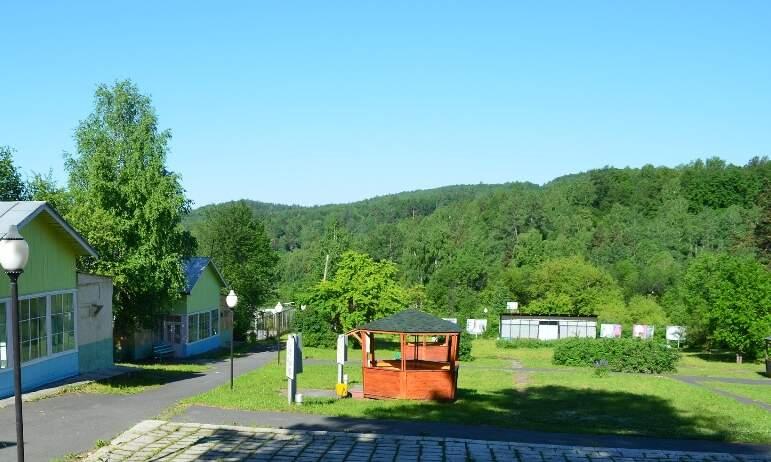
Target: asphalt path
x: 73, y: 422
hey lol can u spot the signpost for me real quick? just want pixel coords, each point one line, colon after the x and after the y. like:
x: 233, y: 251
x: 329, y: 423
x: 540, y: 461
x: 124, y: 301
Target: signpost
x: 675, y: 333
x: 342, y: 357
x: 293, y: 366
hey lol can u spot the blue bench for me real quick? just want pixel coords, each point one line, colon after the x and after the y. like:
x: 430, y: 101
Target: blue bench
x: 162, y: 351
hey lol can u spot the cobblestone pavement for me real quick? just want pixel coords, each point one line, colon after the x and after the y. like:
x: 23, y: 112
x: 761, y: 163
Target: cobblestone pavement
x: 154, y: 440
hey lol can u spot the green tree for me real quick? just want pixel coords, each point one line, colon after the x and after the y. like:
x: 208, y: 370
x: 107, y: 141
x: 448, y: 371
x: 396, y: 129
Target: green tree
x: 44, y: 188
x: 128, y: 205
x: 360, y: 291
x: 11, y: 185
x: 728, y: 299
x: 237, y: 242
x: 572, y: 286
x: 640, y: 310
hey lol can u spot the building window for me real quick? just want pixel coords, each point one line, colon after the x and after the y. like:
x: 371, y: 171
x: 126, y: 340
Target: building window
x: 62, y: 323
x: 192, y: 328
x: 32, y: 324
x: 215, y: 322
x: 3, y: 338
x: 204, y: 323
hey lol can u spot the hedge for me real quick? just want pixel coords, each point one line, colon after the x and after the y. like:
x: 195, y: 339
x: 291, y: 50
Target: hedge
x: 526, y: 343
x: 621, y: 354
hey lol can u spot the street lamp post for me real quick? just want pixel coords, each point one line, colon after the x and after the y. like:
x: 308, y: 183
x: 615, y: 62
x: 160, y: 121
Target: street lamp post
x: 232, y: 301
x: 14, y: 253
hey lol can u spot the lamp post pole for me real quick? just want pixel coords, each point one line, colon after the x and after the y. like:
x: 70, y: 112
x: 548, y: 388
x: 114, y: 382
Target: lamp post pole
x: 232, y: 300
x: 14, y: 277
x: 14, y: 253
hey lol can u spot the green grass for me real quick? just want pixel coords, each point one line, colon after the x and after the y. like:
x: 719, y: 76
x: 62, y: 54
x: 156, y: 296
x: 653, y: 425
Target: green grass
x: 718, y: 365
x: 486, y: 353
x: 758, y: 392
x: 144, y: 378
x: 572, y: 401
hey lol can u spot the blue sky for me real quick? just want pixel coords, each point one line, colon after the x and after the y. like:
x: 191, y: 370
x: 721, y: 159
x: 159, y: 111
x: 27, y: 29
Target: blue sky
x: 317, y: 102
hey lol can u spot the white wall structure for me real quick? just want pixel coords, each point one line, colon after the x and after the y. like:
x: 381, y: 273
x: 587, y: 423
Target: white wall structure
x: 514, y: 326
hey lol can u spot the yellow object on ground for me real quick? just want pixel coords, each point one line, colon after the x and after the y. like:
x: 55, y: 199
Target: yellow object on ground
x: 342, y: 390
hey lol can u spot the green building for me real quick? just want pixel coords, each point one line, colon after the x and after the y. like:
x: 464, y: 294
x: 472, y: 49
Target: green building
x: 196, y: 323
x: 62, y: 334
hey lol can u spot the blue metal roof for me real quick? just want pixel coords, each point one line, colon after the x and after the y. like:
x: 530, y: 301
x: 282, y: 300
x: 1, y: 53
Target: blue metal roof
x: 194, y: 267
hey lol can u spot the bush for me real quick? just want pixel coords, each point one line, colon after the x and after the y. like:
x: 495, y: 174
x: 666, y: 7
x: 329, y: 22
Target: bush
x: 622, y: 355
x: 316, y: 329
x: 526, y: 343
x: 464, y: 348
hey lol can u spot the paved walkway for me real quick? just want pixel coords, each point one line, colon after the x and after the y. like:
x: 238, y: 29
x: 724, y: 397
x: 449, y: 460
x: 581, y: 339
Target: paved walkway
x: 476, y: 430
x: 158, y: 441
x: 73, y: 422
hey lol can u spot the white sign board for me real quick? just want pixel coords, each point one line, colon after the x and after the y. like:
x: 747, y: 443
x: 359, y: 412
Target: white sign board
x: 512, y: 306
x: 342, y: 349
x: 290, y: 357
x: 642, y: 331
x: 452, y: 320
x: 476, y: 326
x: 676, y: 333
x: 610, y: 330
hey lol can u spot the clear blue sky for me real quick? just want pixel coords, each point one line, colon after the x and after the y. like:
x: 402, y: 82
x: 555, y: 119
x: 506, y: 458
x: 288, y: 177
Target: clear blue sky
x: 322, y: 101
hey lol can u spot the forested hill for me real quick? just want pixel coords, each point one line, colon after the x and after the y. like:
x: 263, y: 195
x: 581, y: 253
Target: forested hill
x: 462, y: 247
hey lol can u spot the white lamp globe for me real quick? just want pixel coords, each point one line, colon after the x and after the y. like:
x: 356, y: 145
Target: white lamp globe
x: 14, y: 251
x: 231, y: 299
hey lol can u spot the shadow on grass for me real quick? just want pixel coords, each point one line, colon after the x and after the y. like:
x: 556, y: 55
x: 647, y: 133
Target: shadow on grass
x: 548, y: 414
x: 147, y: 377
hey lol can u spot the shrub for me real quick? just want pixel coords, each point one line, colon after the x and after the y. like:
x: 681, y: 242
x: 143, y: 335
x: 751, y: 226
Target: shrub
x: 526, y: 343
x: 464, y: 348
x: 622, y: 355
x: 316, y: 329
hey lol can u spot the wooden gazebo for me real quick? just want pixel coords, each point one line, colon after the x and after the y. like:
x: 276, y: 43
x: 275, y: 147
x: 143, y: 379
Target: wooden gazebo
x: 426, y: 367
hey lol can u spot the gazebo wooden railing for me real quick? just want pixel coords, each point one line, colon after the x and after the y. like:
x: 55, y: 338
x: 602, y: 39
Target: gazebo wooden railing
x: 427, y: 364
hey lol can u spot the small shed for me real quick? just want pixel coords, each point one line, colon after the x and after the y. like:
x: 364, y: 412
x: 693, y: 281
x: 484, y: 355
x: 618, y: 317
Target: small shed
x: 426, y: 365
x: 546, y: 327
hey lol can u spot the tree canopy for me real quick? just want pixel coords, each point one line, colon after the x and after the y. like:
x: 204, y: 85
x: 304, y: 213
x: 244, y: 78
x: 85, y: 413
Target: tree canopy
x: 128, y: 205
x: 236, y: 241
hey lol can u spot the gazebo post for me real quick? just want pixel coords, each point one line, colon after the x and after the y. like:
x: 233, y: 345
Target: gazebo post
x: 403, y: 374
x: 372, y: 349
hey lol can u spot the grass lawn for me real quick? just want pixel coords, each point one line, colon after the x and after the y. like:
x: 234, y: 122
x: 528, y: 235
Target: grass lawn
x: 145, y: 377
x: 719, y: 365
x: 760, y: 393
x: 572, y: 401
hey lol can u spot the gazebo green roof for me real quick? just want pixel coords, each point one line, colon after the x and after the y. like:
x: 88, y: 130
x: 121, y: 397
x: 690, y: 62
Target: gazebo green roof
x: 411, y: 322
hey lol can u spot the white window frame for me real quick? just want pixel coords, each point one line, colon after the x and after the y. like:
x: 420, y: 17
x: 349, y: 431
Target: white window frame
x: 47, y: 295
x: 200, y: 313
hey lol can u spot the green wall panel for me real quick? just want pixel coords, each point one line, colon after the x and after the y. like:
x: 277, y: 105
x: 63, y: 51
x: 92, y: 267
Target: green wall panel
x: 51, y: 263
x: 206, y: 293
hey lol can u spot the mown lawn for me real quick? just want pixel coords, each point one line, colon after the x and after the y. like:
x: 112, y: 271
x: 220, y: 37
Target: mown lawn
x: 760, y: 393
x: 573, y: 400
x: 719, y: 365
x: 144, y: 378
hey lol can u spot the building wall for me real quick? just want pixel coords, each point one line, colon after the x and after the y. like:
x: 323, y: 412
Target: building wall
x: 205, y: 295
x: 51, y: 268
x: 51, y: 264
x: 95, y: 341
x: 202, y: 346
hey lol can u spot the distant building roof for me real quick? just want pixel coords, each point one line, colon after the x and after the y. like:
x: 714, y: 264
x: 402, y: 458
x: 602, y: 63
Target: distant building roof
x: 194, y: 268
x: 20, y: 213
x: 411, y: 322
